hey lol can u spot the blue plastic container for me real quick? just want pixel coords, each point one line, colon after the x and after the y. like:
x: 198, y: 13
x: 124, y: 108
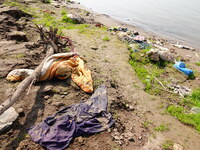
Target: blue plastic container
x: 182, y: 67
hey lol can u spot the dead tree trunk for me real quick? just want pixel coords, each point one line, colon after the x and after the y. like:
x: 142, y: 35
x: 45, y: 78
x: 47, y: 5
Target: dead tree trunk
x: 48, y: 37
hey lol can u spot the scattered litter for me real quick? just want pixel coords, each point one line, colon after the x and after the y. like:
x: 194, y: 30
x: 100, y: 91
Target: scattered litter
x: 182, y: 67
x: 158, y: 55
x: 118, y: 29
x: 99, y: 25
x: 195, y: 110
x: 7, y: 118
x: 161, y: 48
x: 85, y: 118
x: 139, y: 39
x: 62, y: 66
x: 181, y: 90
x: 183, y: 47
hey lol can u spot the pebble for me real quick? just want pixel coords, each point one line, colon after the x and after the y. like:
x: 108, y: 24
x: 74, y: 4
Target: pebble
x: 80, y: 139
x: 46, y: 97
x: 20, y: 111
x: 62, y: 96
x: 177, y: 146
x: 48, y: 88
x: 131, y: 107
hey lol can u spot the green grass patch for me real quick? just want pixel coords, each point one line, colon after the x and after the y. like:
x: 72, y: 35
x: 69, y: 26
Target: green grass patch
x: 182, y: 112
x: 197, y: 63
x: 192, y: 100
x: 19, y: 56
x: 162, y: 128
x: 184, y: 116
x: 106, y: 39
x: 167, y: 145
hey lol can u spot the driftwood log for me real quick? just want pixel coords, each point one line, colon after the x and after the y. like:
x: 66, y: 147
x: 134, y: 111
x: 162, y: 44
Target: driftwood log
x: 50, y: 38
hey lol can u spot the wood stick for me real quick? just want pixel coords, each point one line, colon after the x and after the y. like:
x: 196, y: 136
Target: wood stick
x: 24, y: 84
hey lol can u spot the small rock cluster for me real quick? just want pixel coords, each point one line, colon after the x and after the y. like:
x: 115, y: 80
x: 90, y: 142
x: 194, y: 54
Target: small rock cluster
x: 123, y: 138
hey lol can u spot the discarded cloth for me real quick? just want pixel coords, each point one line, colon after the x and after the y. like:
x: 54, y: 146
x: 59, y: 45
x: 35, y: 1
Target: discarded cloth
x: 182, y: 67
x: 158, y: 55
x: 87, y: 117
x: 62, y: 66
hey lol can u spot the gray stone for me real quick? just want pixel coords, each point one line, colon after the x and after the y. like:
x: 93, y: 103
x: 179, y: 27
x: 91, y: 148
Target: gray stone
x: 76, y: 18
x: 177, y: 146
x: 7, y: 118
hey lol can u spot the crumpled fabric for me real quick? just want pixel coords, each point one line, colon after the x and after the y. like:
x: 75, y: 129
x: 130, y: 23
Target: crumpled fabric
x: 87, y: 117
x: 62, y: 66
x: 158, y: 55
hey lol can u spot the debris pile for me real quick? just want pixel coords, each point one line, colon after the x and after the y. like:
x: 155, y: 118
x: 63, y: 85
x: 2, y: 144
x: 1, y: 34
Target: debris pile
x: 181, y: 90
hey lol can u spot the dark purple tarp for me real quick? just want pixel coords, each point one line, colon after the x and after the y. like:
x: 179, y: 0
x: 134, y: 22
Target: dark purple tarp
x: 87, y: 117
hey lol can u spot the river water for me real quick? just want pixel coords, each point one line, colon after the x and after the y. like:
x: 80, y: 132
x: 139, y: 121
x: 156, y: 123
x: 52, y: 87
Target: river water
x: 178, y: 19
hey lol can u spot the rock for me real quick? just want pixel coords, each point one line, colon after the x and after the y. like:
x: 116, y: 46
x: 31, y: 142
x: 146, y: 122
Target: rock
x: 76, y: 18
x: 131, y: 107
x: 65, y: 93
x: 80, y: 139
x: 58, y: 104
x: 17, y: 35
x: 46, y: 97
x: 48, y: 89
x: 7, y: 118
x: 195, y: 110
x: 62, y: 96
x: 93, y: 47
x: 109, y: 130
x: 177, y: 146
x: 20, y: 111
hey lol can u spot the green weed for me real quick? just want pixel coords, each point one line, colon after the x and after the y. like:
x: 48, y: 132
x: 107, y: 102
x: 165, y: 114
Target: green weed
x: 146, y: 124
x: 162, y: 128
x: 193, y: 100
x: 106, y: 39
x: 197, y: 63
x: 182, y: 115
x: 167, y: 145
x: 19, y: 56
